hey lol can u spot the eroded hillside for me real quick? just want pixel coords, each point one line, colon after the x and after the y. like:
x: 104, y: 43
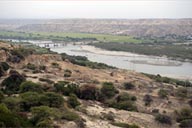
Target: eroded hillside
x: 74, y: 96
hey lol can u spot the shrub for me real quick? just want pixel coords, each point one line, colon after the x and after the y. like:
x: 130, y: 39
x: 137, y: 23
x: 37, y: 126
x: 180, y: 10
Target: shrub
x: 89, y: 92
x: 46, y: 80
x: 31, y: 66
x: 73, y: 101
x: 9, y: 119
x: 1, y: 96
x: 125, y: 97
x: 4, y: 65
x: 2, y: 72
x: 190, y: 102
x: 147, y: 99
x: 129, y: 85
x: 162, y: 93
x: 55, y: 65
x: 70, y: 116
x: 108, y: 90
x: 67, y: 88
x: 30, y: 99
x: 30, y: 86
x: 67, y: 73
x: 42, y: 114
x: 13, y: 103
x: 185, y: 113
x: 12, y: 82
x: 182, y: 92
x: 164, y: 119
x: 124, y: 125
x: 51, y: 99
x: 42, y: 67
x: 186, y: 123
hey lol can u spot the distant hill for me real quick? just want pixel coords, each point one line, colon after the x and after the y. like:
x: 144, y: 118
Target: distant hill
x: 134, y: 27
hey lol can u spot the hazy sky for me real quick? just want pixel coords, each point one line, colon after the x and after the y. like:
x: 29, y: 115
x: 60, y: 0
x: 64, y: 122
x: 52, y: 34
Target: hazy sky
x: 96, y: 9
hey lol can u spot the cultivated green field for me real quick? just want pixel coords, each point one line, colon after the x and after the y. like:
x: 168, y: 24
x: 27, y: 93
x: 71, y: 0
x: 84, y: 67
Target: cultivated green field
x: 61, y: 35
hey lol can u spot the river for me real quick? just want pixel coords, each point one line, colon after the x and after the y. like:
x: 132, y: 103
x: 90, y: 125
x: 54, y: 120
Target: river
x: 131, y: 61
x: 124, y: 60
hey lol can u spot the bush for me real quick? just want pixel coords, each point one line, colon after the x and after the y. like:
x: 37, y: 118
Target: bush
x: 73, y: 101
x: 30, y: 86
x: 70, y: 116
x: 9, y: 119
x: 67, y: 88
x: 67, y: 73
x: 182, y: 92
x: 55, y: 65
x: 186, y: 123
x: 31, y: 66
x: 41, y: 115
x: 162, y: 93
x: 46, y: 80
x: 147, y: 99
x: 89, y: 92
x: 42, y: 67
x: 164, y: 119
x: 1, y: 96
x: 129, y: 86
x: 51, y: 99
x: 4, y: 65
x: 13, y: 103
x: 124, y: 125
x: 125, y: 97
x: 13, y: 82
x: 108, y: 90
x: 30, y: 99
x: 185, y: 113
x: 190, y: 102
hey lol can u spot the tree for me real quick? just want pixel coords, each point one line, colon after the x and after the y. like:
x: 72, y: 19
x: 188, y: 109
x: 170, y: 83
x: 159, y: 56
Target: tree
x: 73, y: 101
x: 30, y: 86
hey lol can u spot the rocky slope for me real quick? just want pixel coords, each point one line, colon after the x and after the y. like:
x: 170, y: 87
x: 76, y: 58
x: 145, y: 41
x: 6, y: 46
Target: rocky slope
x: 94, y: 112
